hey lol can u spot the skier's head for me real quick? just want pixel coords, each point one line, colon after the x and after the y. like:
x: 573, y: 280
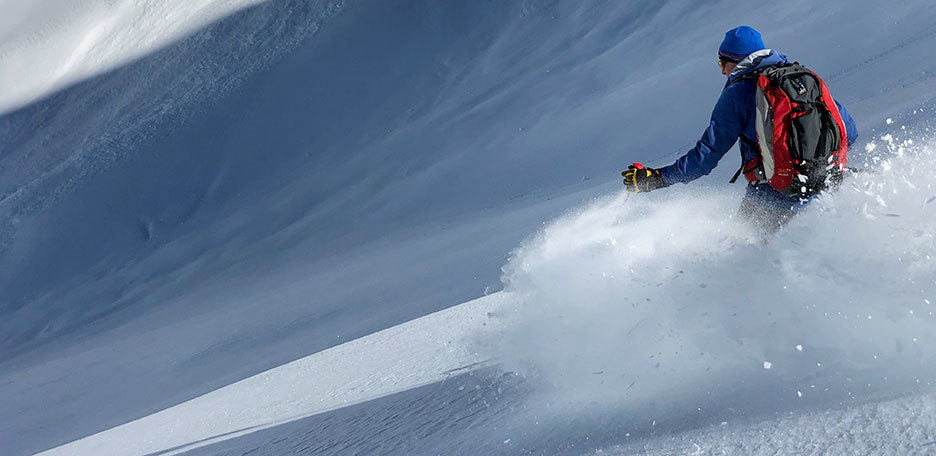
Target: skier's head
x: 738, y: 43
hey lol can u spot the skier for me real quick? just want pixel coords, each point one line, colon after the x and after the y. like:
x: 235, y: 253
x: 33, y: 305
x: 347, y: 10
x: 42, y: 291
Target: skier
x: 742, y: 56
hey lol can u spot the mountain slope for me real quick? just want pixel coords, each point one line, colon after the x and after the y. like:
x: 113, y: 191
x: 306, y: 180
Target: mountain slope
x: 292, y: 175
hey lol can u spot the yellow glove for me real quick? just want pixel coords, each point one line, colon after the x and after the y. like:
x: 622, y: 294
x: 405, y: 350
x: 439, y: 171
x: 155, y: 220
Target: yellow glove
x: 638, y: 178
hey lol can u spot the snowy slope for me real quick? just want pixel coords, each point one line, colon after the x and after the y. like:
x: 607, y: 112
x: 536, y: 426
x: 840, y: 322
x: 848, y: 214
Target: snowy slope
x: 249, y: 185
x: 831, y: 355
x: 901, y: 426
x: 48, y: 45
x: 416, y: 353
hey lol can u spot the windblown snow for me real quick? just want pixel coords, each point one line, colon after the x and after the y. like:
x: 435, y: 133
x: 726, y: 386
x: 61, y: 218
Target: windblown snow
x: 661, y: 304
x: 340, y: 227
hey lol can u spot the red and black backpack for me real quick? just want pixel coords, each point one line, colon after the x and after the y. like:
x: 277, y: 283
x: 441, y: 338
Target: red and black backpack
x: 801, y: 139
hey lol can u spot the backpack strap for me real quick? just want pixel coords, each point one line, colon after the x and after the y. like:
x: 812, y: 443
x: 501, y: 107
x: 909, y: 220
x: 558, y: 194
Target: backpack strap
x: 750, y: 142
x: 749, y: 76
x: 736, y: 174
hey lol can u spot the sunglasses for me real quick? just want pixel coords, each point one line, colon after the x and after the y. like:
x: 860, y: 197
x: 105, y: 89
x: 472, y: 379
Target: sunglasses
x: 722, y: 61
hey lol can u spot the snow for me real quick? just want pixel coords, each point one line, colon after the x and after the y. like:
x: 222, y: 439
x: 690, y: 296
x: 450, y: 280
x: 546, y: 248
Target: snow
x: 416, y: 353
x: 663, y: 318
x: 895, y: 427
x: 247, y: 227
x: 46, y: 45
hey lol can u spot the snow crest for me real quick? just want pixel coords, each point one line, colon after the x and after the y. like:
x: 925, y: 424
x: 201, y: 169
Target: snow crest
x: 46, y: 45
x: 666, y: 302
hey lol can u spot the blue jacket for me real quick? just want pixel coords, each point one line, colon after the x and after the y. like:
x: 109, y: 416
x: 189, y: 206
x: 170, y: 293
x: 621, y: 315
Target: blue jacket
x: 734, y: 115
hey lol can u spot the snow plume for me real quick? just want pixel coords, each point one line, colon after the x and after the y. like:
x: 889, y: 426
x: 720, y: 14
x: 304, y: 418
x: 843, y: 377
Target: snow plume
x: 662, y: 305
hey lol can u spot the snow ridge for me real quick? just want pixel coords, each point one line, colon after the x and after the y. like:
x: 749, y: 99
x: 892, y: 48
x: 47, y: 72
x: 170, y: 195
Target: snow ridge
x: 47, y: 45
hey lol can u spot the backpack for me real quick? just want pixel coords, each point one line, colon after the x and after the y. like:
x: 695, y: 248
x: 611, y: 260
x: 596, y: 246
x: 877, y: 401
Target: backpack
x: 801, y: 139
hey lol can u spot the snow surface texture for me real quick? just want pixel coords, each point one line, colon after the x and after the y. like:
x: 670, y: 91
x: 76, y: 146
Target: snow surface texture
x: 244, y: 189
x: 46, y: 45
x: 895, y: 427
x: 416, y: 353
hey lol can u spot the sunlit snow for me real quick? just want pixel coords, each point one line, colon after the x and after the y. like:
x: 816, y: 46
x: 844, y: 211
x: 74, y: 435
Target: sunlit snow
x: 345, y: 227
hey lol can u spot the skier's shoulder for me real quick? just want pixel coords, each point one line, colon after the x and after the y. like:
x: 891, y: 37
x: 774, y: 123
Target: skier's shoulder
x: 737, y: 92
x: 753, y: 64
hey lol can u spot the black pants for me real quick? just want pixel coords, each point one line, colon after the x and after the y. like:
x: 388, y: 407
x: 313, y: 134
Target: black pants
x: 767, y: 209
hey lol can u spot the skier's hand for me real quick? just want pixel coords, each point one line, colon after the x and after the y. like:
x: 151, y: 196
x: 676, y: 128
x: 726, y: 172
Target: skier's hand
x: 638, y: 178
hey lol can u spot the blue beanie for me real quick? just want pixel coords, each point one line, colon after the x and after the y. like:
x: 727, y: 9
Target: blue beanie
x: 739, y: 42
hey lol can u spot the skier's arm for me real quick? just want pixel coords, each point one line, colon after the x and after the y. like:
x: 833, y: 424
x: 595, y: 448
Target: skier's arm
x: 723, y: 131
x: 851, y: 131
